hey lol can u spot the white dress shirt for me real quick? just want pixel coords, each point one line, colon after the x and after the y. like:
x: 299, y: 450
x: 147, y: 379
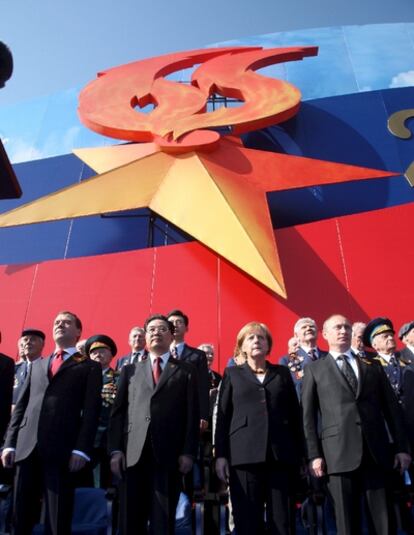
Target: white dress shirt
x: 351, y: 359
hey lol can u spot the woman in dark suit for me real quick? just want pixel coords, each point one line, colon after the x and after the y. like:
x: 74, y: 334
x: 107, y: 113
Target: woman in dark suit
x: 259, y: 441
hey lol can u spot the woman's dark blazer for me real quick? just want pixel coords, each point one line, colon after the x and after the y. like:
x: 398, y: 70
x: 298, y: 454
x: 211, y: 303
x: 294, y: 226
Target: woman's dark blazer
x: 255, y: 418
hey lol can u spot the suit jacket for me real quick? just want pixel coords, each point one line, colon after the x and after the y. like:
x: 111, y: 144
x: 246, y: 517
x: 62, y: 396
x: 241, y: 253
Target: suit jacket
x: 21, y: 370
x: 407, y: 354
x: 127, y: 359
x: 346, y: 420
x: 199, y: 360
x: 57, y: 415
x: 6, y: 392
x: 167, y: 414
x: 253, y: 416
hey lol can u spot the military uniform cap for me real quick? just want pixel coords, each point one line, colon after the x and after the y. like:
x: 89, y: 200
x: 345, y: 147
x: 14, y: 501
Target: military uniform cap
x: 34, y: 332
x: 405, y: 329
x: 375, y: 327
x: 100, y: 340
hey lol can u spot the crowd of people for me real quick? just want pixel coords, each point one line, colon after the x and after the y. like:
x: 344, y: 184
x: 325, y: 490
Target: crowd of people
x: 337, y: 424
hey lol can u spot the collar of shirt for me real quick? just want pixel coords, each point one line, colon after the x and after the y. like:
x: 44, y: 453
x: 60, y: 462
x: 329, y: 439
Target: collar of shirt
x: 387, y: 358
x: 351, y: 359
x: 68, y: 352
x: 307, y: 349
x: 180, y: 348
x: 164, y: 359
x: 411, y: 348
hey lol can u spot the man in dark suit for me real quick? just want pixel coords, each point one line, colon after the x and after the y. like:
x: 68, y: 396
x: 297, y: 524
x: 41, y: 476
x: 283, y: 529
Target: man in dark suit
x: 153, y: 433
x: 406, y: 335
x: 346, y: 403
x: 31, y: 343
x: 306, y: 333
x: 52, y: 430
x: 6, y: 391
x: 186, y: 353
x: 136, y: 341
x: 358, y: 347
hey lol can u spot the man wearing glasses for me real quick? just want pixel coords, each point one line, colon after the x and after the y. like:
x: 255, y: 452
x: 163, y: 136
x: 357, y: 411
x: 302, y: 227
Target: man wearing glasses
x: 153, y: 432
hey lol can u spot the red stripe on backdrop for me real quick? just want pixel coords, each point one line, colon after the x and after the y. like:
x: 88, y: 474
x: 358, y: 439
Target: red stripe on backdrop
x: 359, y: 265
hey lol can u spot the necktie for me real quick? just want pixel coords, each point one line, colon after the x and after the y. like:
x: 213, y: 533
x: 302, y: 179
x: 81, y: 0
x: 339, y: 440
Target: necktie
x: 56, y: 363
x: 156, y: 370
x: 349, y: 373
x: 174, y: 352
x: 134, y: 358
x: 312, y: 354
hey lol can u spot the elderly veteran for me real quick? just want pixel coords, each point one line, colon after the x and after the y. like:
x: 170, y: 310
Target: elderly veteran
x: 406, y: 335
x: 379, y: 334
x: 31, y: 344
x: 102, y: 349
x: 258, y: 440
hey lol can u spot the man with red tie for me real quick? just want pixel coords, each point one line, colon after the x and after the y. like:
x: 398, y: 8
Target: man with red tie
x: 52, y: 430
x: 153, y: 432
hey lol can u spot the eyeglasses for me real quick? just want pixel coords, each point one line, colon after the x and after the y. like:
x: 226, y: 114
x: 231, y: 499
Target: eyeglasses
x: 160, y: 329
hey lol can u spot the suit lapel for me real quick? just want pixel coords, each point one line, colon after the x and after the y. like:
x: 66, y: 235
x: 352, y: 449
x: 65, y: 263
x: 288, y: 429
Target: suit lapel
x: 246, y: 371
x: 336, y: 371
x: 270, y: 374
x: 143, y: 369
x: 184, y: 352
x: 170, y: 368
x: 45, y: 363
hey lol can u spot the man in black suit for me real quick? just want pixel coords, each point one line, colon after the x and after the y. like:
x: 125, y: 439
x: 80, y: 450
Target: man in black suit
x: 346, y: 403
x: 358, y: 347
x: 186, y: 353
x: 153, y: 433
x: 406, y: 335
x: 6, y: 391
x: 52, y: 430
x: 136, y: 341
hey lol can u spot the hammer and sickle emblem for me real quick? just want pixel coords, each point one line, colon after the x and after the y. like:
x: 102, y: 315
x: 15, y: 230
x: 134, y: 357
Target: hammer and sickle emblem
x: 397, y: 127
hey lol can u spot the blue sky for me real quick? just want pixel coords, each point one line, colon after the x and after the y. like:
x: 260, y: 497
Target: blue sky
x: 59, y: 46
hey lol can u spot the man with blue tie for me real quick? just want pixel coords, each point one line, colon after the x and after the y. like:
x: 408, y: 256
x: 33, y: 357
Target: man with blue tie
x: 52, y: 430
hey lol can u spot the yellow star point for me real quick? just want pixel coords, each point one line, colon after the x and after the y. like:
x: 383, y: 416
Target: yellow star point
x: 219, y: 198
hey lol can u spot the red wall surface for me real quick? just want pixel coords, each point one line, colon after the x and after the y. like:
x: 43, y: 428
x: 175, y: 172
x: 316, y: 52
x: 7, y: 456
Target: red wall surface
x: 358, y: 265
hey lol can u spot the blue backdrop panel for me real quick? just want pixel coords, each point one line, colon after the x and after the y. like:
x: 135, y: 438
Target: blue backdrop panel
x: 350, y: 129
